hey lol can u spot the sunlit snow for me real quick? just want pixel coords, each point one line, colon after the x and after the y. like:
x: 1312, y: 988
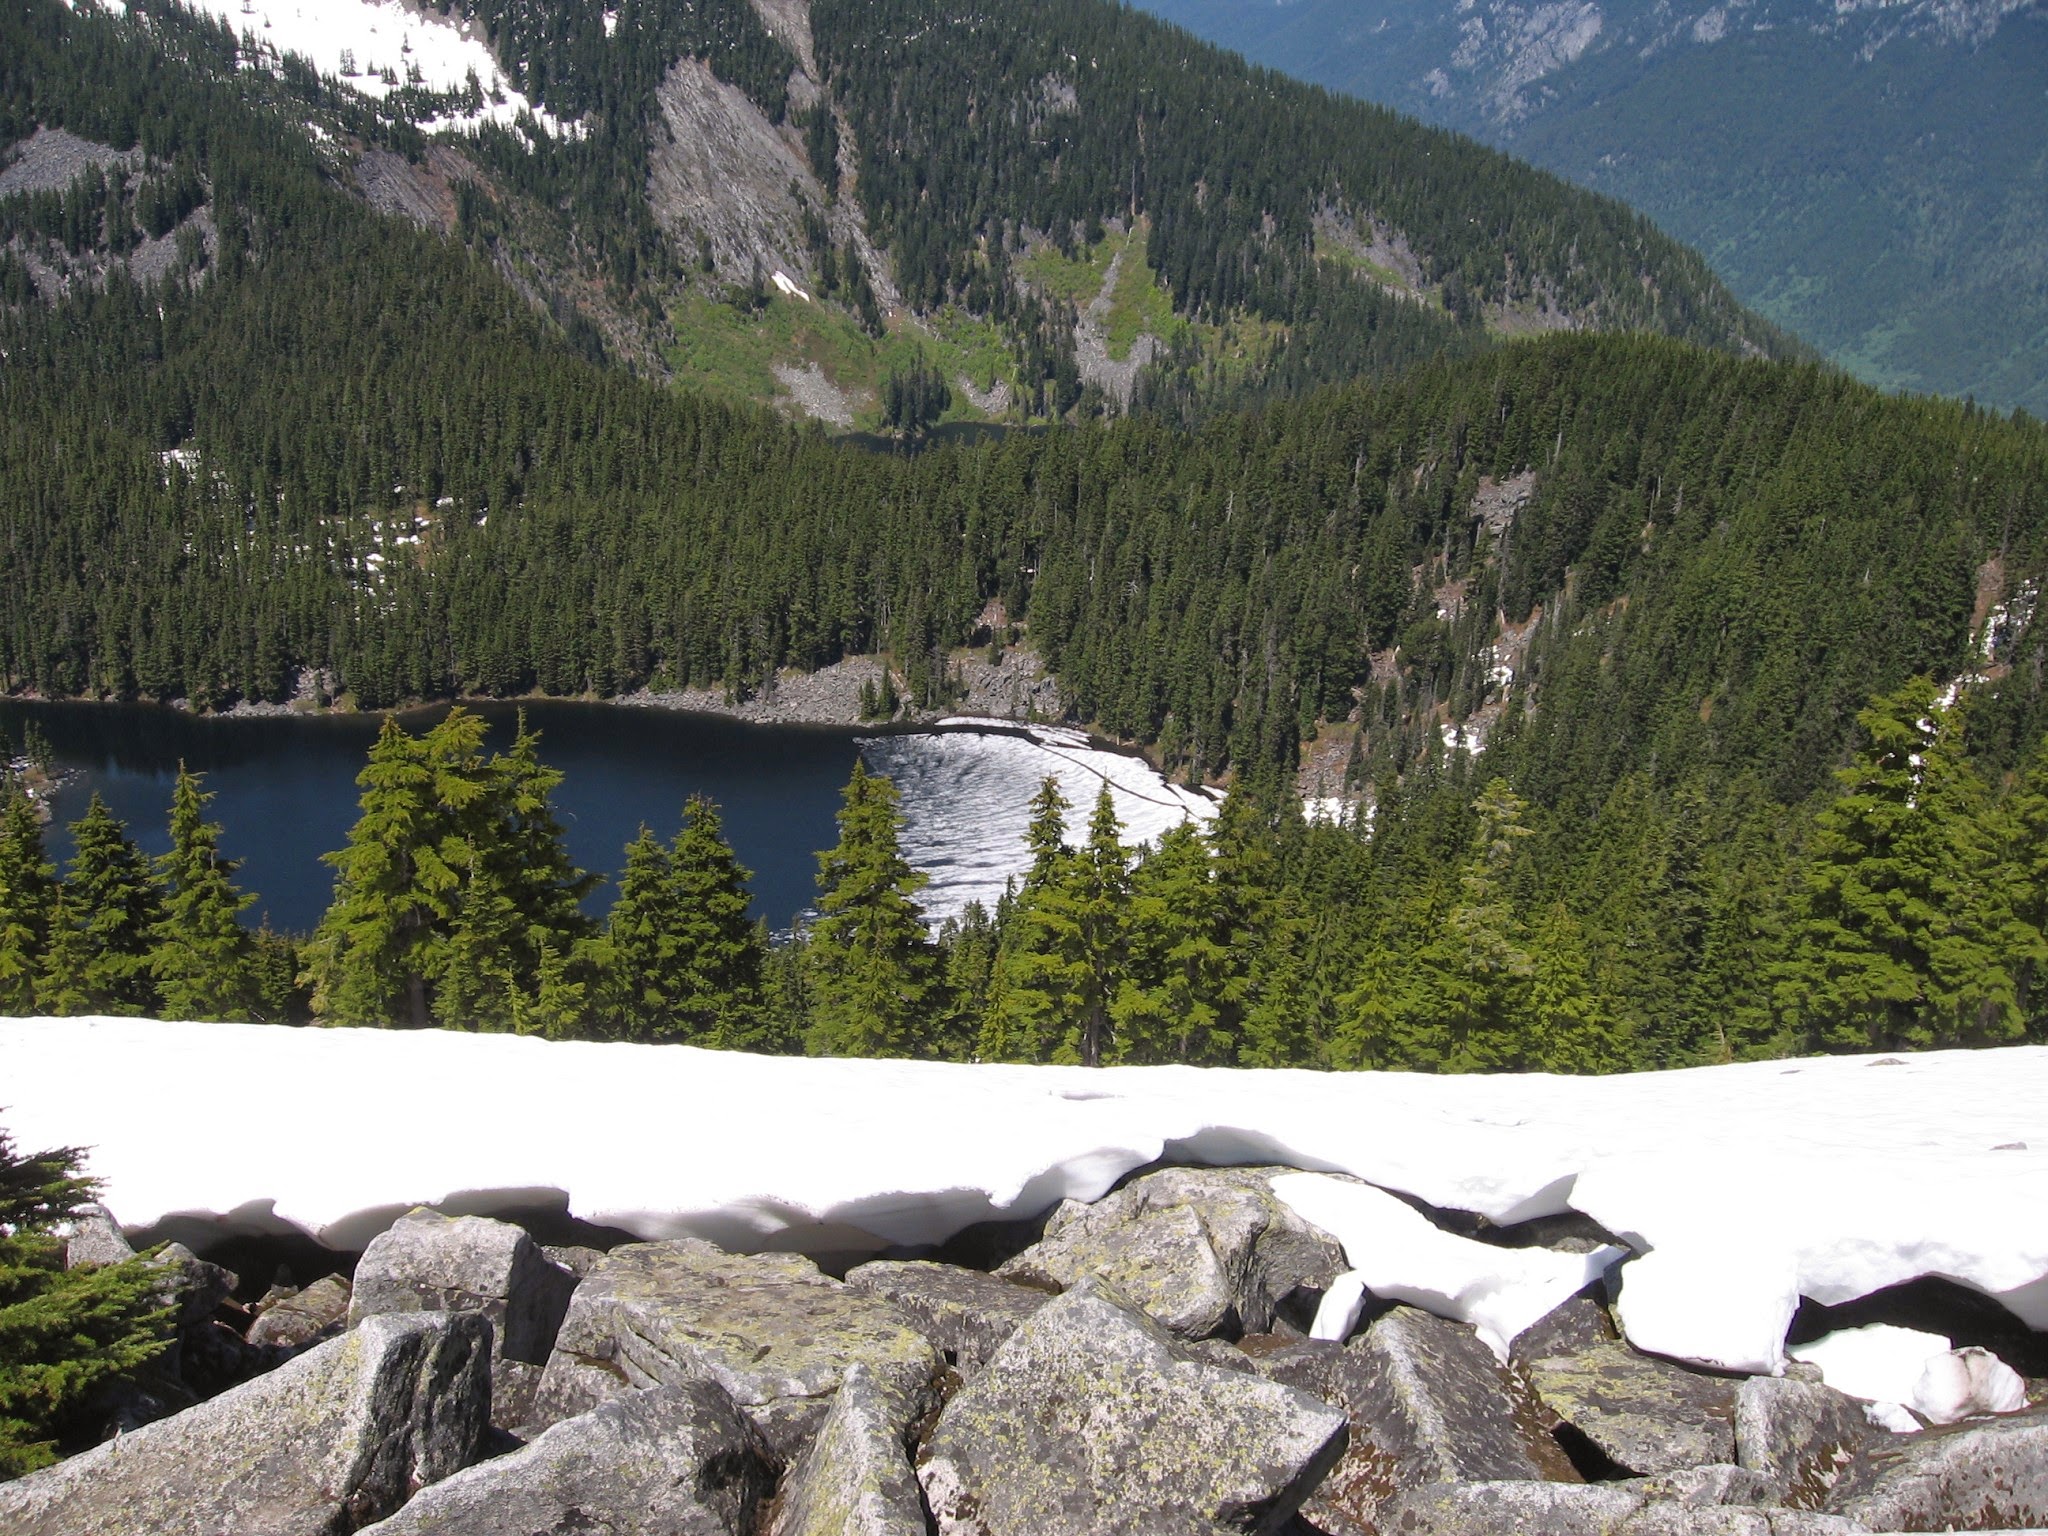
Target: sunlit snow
x: 378, y: 46
x: 1745, y: 1186
x: 967, y: 798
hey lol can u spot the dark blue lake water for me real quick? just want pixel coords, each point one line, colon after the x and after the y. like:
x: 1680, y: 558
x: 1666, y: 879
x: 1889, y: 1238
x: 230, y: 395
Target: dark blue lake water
x: 287, y: 791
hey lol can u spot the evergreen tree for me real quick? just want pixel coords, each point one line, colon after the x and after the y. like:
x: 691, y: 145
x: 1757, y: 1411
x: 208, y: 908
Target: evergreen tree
x: 719, y: 949
x: 1171, y: 1004
x: 63, y: 1332
x: 113, y: 901
x: 1908, y: 936
x: 640, y: 944
x: 203, y: 958
x: 28, y: 893
x: 1266, y: 933
x: 871, y: 968
x: 61, y: 989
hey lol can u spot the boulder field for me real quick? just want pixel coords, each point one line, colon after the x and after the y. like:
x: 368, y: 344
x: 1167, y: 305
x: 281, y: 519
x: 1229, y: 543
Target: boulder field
x: 1164, y: 1361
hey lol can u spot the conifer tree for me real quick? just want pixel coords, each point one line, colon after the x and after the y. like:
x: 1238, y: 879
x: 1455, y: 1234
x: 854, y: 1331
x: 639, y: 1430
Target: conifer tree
x: 28, y: 893
x: 1171, y: 1003
x: 113, y: 901
x: 640, y: 944
x: 203, y: 958
x: 63, y: 1332
x: 872, y: 970
x: 1264, y: 929
x: 719, y: 947
x: 60, y: 988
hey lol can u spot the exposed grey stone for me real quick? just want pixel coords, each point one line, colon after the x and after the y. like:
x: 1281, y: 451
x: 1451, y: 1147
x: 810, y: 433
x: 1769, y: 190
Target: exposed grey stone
x: 95, y: 1238
x: 1427, y: 1403
x: 1093, y: 1420
x: 1658, y: 1519
x: 1797, y: 1434
x: 965, y: 1313
x: 305, y: 1317
x: 1203, y: 1251
x: 1644, y: 1414
x: 427, y: 1262
x: 1580, y: 1324
x: 1493, y: 1508
x: 674, y: 1461
x: 578, y: 1261
x: 328, y: 1442
x: 854, y: 1478
x: 1970, y: 1477
x: 769, y: 1328
x: 1713, y: 1484
x: 190, y: 1284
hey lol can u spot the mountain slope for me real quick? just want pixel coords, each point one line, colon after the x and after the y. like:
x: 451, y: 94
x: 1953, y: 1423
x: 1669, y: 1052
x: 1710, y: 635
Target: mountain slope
x: 888, y: 213
x: 1873, y: 178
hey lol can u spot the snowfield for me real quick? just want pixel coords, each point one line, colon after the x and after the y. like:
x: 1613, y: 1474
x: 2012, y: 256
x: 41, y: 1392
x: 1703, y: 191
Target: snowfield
x: 1740, y: 1188
x: 377, y: 46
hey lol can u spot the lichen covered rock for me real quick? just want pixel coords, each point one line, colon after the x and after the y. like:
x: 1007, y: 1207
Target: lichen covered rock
x: 1092, y: 1419
x: 854, y: 1479
x: 1644, y: 1414
x: 966, y: 1314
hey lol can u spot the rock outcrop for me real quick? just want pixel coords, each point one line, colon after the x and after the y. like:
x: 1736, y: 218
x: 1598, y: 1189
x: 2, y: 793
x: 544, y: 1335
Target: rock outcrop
x: 1643, y: 1414
x: 304, y: 1317
x: 770, y: 1329
x: 966, y: 1314
x: 337, y: 1438
x: 1092, y: 1418
x: 1968, y: 1477
x: 671, y: 1461
x: 855, y: 1479
x: 1203, y: 1251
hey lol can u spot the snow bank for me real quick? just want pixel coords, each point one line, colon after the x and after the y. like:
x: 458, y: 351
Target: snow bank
x: 1824, y: 1178
x: 378, y: 46
x: 1895, y: 1368
x: 1398, y: 1253
x: 967, y: 789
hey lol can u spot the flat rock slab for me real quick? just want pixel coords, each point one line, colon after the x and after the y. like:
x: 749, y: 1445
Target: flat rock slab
x: 1094, y: 1420
x: 674, y: 1461
x: 1798, y: 1435
x: 854, y: 1479
x: 966, y: 1314
x: 329, y: 1442
x: 296, y: 1321
x: 1971, y: 1477
x: 1644, y: 1414
x: 769, y: 1328
x: 1495, y: 1508
x: 1204, y: 1251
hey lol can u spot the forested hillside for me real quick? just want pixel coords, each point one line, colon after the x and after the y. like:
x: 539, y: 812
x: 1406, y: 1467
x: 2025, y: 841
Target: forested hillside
x: 816, y: 209
x: 1868, y: 176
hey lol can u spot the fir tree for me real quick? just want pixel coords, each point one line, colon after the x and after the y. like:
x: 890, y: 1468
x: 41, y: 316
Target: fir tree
x: 62, y: 1331
x: 872, y: 970
x: 60, y: 988
x: 1171, y: 1004
x: 28, y: 893
x: 113, y: 901
x: 203, y: 958
x: 640, y: 945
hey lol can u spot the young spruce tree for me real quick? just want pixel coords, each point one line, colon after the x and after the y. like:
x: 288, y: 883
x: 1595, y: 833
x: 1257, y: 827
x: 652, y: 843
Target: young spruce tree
x: 28, y: 895
x: 203, y: 958
x: 113, y: 906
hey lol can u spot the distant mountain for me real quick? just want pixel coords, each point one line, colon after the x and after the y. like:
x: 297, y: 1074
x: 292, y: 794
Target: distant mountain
x: 1872, y: 176
x: 875, y: 213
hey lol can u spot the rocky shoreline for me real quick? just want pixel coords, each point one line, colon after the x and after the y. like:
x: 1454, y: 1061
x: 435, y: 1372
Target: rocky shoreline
x: 1169, y: 1359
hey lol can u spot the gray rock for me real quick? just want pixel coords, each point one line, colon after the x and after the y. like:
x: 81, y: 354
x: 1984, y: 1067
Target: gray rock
x: 1094, y: 1420
x: 95, y: 1238
x: 854, y: 1478
x: 1707, y: 1520
x: 1580, y: 1324
x: 1644, y: 1414
x: 966, y: 1314
x: 578, y: 1261
x: 427, y: 1262
x: 675, y: 1461
x: 1494, y: 1508
x: 1969, y: 1477
x: 1716, y: 1483
x: 341, y: 1436
x: 1427, y: 1403
x: 769, y: 1328
x: 1797, y: 1434
x: 1203, y: 1251
x: 190, y: 1284
x: 305, y: 1317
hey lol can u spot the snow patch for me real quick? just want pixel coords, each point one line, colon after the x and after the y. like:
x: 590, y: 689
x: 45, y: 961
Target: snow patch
x: 785, y: 284
x: 1825, y: 1178
x: 378, y: 47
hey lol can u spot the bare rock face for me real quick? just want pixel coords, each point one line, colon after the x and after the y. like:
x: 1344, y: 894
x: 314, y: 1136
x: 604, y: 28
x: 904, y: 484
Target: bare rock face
x: 1203, y: 1251
x: 674, y: 1461
x: 966, y: 1314
x: 95, y: 1238
x: 1092, y: 1419
x: 1644, y: 1414
x: 315, y: 1313
x: 1490, y: 1508
x: 1797, y: 1434
x: 1968, y: 1477
x: 769, y: 1328
x: 325, y: 1444
x: 427, y: 1262
x: 854, y: 1479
